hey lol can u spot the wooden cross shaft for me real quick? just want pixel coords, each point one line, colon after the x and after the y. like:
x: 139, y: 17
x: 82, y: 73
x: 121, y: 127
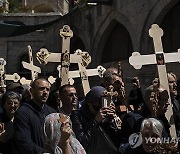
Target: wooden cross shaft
x: 30, y: 66
x: 14, y: 77
x: 160, y: 58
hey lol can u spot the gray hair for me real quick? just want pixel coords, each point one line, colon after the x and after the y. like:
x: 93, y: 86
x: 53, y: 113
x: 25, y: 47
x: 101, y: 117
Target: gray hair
x: 156, y: 125
x: 173, y: 75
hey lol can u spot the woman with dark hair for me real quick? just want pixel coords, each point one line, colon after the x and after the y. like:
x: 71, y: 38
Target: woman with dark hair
x: 10, y: 103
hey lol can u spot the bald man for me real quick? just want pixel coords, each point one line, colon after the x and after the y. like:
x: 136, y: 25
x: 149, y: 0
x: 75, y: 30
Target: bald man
x: 30, y: 117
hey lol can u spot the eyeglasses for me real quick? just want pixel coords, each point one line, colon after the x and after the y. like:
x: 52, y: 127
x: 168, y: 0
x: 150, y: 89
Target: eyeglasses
x: 72, y: 94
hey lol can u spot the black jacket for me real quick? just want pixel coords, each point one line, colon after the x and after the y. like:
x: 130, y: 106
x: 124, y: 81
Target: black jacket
x: 6, y: 144
x: 28, y: 122
x: 84, y: 126
x: 176, y: 113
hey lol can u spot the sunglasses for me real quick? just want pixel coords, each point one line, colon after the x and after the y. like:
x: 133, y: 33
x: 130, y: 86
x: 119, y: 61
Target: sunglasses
x: 72, y: 94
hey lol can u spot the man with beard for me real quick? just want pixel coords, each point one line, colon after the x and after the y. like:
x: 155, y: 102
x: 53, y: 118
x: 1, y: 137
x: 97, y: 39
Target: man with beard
x: 111, y: 77
x: 29, y: 118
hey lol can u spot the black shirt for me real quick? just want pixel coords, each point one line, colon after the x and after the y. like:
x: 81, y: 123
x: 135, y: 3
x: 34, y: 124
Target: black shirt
x: 28, y: 122
x: 6, y: 138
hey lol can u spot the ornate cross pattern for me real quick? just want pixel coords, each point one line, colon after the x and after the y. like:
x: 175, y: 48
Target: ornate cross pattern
x: 110, y: 93
x: 64, y: 58
x: 30, y: 66
x: 76, y: 74
x: 160, y: 58
x: 66, y: 33
x: 15, y: 77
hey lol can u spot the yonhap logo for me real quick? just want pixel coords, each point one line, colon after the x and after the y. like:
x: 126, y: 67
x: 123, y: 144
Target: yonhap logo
x: 135, y: 140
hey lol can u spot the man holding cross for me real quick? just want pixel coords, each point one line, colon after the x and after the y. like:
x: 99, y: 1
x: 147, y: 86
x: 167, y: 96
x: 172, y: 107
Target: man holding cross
x: 160, y: 58
x: 112, y: 77
x: 157, y: 101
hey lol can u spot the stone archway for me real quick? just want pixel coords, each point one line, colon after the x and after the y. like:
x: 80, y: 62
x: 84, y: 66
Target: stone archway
x: 170, y: 25
x: 164, y: 14
x: 77, y: 43
x: 104, y: 32
x: 118, y: 45
x: 156, y: 15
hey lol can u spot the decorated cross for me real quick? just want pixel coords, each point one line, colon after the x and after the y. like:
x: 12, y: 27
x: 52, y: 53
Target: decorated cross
x: 64, y: 58
x: 90, y: 72
x: 110, y: 94
x: 30, y: 66
x: 82, y: 58
x: 15, y: 77
x: 66, y: 33
x: 86, y: 59
x: 44, y: 57
x: 160, y: 58
x: 76, y: 74
x: 106, y: 102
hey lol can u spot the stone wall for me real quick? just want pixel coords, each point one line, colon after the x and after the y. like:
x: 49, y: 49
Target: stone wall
x: 12, y: 48
x: 93, y: 26
x: 46, y: 6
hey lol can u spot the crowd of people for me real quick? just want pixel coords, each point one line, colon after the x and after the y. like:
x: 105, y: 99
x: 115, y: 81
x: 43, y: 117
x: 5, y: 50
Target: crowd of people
x: 34, y: 119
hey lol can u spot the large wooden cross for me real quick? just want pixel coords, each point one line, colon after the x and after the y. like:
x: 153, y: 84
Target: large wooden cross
x: 160, y: 58
x: 78, y: 73
x: 64, y: 58
x: 30, y: 66
x: 81, y: 58
x: 90, y: 72
x: 15, y: 77
x: 86, y: 59
x: 44, y: 57
x: 83, y: 73
x: 66, y: 33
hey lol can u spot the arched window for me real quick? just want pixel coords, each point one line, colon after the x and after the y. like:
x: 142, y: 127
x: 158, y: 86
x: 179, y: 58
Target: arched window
x: 118, y: 45
x: 76, y: 43
x: 170, y: 25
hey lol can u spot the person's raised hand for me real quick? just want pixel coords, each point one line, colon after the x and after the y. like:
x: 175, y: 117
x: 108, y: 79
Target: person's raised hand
x: 65, y: 133
x: 102, y: 114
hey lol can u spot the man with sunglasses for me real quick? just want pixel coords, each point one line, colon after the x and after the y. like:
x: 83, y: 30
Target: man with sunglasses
x: 69, y: 99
